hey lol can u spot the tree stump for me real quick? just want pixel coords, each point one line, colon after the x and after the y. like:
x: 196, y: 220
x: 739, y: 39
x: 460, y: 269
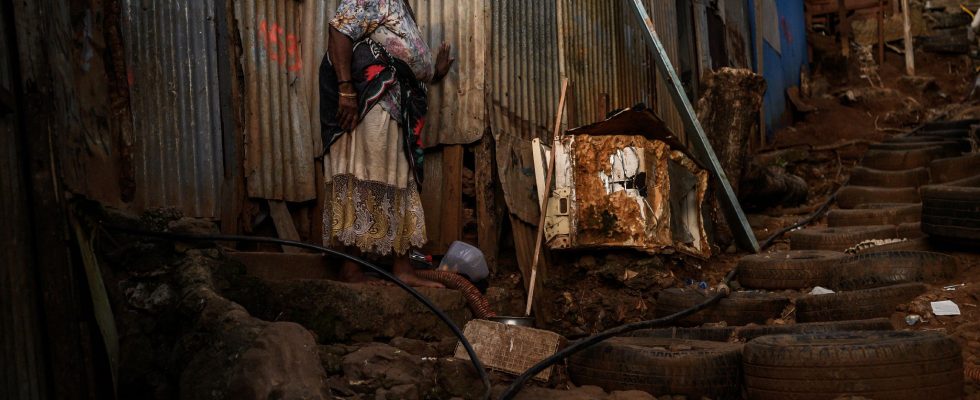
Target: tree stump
x: 728, y: 110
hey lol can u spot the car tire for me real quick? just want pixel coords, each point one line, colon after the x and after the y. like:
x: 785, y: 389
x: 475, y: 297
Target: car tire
x: 850, y: 197
x: 914, y: 177
x: 871, y: 270
x: 897, y: 160
x: 794, y: 269
x: 858, y: 304
x: 739, y: 308
x: 689, y: 368
x: 895, y: 215
x: 875, y: 365
x: 952, y: 210
x: 839, y: 238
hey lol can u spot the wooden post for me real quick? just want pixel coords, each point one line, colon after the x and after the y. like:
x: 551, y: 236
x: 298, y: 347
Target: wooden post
x: 539, y: 241
x: 696, y: 135
x: 488, y: 215
x: 909, y: 50
x: 881, y: 32
x: 284, y: 224
x: 452, y: 196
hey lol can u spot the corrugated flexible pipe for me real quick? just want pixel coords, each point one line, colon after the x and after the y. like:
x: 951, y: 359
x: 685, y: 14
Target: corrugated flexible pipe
x: 478, y: 304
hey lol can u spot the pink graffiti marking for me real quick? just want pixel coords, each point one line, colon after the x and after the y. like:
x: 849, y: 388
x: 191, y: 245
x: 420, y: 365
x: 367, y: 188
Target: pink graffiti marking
x: 282, y: 48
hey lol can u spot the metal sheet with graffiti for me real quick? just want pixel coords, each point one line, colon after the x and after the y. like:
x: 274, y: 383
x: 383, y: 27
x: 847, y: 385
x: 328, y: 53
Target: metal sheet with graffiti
x: 282, y: 44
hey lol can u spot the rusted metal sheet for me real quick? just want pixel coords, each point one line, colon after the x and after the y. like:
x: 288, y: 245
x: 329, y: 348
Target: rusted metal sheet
x: 458, y: 104
x: 172, y: 58
x: 627, y: 182
x: 283, y: 43
x: 22, y: 376
x: 604, y: 57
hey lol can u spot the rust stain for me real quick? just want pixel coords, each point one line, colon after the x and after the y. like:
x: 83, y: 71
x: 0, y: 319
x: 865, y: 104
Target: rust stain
x: 618, y: 218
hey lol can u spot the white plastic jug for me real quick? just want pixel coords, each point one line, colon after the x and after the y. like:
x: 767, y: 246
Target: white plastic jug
x: 467, y: 260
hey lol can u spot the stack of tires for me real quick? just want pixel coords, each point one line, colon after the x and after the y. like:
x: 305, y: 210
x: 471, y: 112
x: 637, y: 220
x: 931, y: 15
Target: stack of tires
x: 885, y: 197
x: 951, y: 207
x: 842, y: 343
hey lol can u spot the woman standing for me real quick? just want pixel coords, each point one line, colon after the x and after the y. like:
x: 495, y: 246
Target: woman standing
x: 372, y: 107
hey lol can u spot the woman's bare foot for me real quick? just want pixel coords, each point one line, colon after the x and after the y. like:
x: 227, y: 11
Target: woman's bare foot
x: 403, y: 270
x: 351, y: 273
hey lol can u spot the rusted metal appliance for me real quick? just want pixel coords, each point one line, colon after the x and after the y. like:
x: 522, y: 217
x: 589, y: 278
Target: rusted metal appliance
x: 627, y: 182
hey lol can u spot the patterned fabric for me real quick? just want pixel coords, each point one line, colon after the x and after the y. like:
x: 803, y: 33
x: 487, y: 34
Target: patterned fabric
x: 387, y: 22
x: 376, y: 218
x: 375, y: 74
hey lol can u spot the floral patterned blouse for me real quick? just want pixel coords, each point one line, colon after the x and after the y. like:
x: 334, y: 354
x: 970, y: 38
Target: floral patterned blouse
x: 389, y: 23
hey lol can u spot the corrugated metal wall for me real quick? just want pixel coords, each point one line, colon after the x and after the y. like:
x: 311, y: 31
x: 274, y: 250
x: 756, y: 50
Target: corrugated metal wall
x: 523, y: 92
x: 457, y: 105
x: 664, y: 14
x: 782, y: 70
x: 282, y: 44
x: 172, y: 56
x: 604, y: 55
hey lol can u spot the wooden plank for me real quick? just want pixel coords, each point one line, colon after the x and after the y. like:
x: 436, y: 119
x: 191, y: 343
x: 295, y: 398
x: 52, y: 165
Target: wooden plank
x: 229, y: 75
x: 284, y: 224
x: 487, y: 211
x: 696, y: 135
x: 909, y: 50
x: 451, y: 225
x: 524, y: 235
x: 539, y: 235
x: 702, y: 39
x: 431, y: 194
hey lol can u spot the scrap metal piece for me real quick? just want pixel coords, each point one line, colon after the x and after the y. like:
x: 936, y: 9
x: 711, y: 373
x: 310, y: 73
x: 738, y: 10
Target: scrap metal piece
x: 730, y: 205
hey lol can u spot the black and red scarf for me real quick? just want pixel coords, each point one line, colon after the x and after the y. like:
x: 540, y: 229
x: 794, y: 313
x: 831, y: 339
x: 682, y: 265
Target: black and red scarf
x: 374, y: 72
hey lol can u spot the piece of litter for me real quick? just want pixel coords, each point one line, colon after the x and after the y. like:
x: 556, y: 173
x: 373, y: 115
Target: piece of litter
x: 913, y: 319
x: 821, y: 290
x: 951, y: 288
x: 945, y: 308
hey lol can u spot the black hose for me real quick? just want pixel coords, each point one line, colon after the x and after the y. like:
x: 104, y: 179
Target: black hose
x: 583, y: 344
x: 381, y: 271
x: 816, y: 214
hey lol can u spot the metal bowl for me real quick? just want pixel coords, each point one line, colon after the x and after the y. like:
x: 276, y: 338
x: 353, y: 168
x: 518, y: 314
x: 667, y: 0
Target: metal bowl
x: 517, y: 321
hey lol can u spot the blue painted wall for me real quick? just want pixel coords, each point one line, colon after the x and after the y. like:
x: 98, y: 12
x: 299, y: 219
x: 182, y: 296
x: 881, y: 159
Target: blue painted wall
x: 781, y: 71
